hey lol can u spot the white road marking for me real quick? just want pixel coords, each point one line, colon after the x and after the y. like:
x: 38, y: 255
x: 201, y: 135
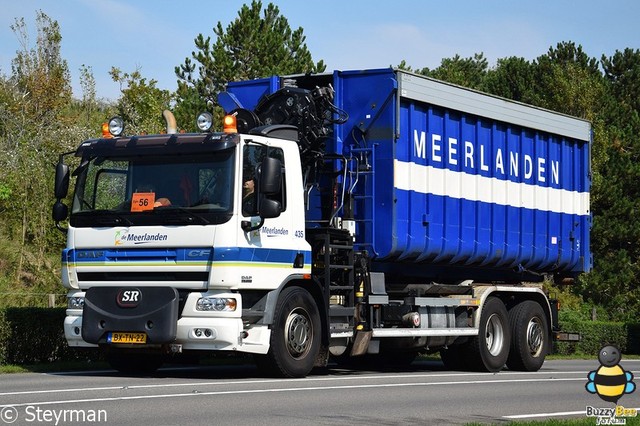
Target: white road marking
x: 306, y: 379
x: 558, y: 414
x: 531, y: 416
x: 282, y: 390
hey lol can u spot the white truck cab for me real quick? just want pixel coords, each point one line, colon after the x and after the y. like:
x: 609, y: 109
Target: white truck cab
x: 173, y: 237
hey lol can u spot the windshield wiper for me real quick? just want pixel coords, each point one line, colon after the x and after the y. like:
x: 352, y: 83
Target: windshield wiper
x: 190, y: 215
x: 114, y: 220
x: 106, y: 217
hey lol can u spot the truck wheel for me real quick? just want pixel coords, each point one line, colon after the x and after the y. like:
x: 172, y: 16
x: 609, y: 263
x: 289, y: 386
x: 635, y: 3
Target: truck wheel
x: 488, y: 351
x: 137, y: 364
x: 529, y: 336
x: 295, y: 336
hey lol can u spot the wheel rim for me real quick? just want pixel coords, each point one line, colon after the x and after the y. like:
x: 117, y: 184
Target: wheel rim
x: 494, y: 335
x: 298, y: 333
x: 535, y: 336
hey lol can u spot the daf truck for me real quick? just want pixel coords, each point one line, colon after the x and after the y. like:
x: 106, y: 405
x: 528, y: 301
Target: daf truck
x: 372, y: 213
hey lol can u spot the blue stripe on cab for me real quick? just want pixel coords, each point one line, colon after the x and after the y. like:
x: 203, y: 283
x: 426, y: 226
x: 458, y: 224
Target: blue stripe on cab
x: 181, y: 255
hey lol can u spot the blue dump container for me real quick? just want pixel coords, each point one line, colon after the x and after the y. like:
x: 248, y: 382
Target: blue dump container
x: 456, y: 184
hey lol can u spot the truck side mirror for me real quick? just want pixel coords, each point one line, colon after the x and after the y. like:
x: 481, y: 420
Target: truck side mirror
x: 270, y: 208
x: 60, y: 211
x: 61, y: 188
x: 270, y: 188
x: 268, y: 192
x: 270, y: 176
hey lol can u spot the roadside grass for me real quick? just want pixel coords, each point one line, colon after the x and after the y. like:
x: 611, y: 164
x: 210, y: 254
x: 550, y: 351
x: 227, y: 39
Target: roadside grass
x: 586, y: 356
x: 72, y: 366
x: 54, y: 367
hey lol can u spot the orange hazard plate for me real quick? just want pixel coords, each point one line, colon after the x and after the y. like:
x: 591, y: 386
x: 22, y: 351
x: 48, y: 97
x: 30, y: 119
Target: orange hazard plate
x: 135, y: 338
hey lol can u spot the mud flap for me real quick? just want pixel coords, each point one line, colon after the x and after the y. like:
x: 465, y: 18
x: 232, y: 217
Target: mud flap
x: 361, y: 343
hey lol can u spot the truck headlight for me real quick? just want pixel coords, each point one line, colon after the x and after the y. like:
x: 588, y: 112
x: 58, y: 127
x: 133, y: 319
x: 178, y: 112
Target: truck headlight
x: 75, y: 302
x: 204, y: 121
x: 116, y: 126
x: 216, y: 304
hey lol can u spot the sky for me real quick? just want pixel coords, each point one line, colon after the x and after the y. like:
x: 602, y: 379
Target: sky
x: 155, y: 36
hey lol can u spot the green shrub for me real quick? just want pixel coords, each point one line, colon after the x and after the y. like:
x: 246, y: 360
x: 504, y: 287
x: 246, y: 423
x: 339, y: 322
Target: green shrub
x: 4, y: 336
x: 36, y: 335
x: 596, y: 334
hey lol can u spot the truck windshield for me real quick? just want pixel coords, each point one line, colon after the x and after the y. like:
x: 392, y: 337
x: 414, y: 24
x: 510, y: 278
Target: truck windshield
x: 159, y: 190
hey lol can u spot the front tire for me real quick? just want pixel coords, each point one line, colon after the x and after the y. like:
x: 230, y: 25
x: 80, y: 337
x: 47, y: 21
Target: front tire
x: 295, y: 335
x: 530, y: 336
x: 489, y: 350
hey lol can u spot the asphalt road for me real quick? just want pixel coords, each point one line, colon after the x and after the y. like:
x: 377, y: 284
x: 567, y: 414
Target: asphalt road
x: 424, y: 394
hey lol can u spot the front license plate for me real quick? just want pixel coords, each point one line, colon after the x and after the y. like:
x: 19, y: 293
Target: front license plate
x: 135, y: 338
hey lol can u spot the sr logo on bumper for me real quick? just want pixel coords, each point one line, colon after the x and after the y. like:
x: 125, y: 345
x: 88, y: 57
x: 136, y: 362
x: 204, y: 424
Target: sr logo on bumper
x: 129, y: 298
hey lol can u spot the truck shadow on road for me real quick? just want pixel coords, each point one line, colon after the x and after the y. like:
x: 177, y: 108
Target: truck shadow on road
x: 239, y: 369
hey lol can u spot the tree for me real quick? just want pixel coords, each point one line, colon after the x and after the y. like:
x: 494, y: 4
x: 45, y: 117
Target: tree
x: 468, y: 72
x: 615, y: 280
x: 622, y: 71
x: 88, y: 85
x: 569, y: 81
x: 141, y: 103
x: 406, y: 67
x: 40, y: 73
x: 34, y: 127
x: 250, y: 47
x: 189, y: 103
x: 512, y: 78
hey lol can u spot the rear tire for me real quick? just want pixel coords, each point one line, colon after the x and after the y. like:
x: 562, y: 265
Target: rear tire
x: 489, y: 350
x: 295, y: 335
x: 529, y: 336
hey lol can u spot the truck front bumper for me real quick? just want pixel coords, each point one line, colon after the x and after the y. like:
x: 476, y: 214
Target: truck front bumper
x: 195, y: 330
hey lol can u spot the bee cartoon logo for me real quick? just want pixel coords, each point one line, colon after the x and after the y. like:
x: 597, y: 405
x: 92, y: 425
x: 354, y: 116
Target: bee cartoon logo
x: 610, y: 381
